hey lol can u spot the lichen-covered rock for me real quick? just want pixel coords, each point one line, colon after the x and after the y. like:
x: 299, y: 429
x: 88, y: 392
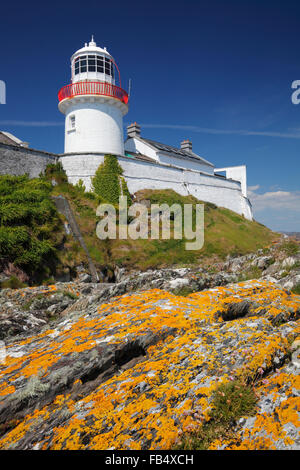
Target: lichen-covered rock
x: 128, y: 373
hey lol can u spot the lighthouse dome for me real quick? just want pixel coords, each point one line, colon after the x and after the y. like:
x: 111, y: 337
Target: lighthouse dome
x: 94, y: 63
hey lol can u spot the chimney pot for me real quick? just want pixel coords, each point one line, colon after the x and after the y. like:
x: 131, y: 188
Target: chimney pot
x: 186, y: 145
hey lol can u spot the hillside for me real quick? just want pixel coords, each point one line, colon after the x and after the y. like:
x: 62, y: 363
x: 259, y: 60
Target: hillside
x: 226, y: 233
x: 32, y: 229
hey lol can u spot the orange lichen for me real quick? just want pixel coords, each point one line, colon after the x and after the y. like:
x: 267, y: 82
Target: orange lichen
x: 118, y: 413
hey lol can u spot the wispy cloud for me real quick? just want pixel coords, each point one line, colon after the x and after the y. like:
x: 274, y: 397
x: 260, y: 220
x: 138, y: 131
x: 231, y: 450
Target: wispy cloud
x: 294, y: 134
x: 32, y: 123
x: 278, y: 200
x: 207, y: 130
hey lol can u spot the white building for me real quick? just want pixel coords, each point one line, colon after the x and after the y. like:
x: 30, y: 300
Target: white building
x: 94, y: 107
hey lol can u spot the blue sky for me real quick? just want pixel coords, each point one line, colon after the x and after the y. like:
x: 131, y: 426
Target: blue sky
x: 218, y: 72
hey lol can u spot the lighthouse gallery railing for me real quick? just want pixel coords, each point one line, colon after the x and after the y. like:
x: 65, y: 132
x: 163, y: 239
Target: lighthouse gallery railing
x: 92, y: 88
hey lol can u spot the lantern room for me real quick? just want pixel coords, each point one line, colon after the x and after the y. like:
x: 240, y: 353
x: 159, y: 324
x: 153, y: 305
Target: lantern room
x: 92, y: 63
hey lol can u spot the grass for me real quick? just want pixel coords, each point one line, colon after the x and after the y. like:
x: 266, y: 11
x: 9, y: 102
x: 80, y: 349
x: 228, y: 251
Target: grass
x: 231, y: 401
x: 71, y: 295
x: 252, y: 273
x: 290, y: 247
x: 225, y: 233
x: 183, y: 291
x: 12, y: 283
x: 296, y: 289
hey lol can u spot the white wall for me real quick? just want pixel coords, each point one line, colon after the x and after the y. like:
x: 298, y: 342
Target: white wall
x: 98, y: 128
x: 144, y: 175
x: 237, y: 173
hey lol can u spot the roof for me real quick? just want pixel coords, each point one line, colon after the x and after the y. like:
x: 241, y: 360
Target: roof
x: 179, y: 153
x: 7, y: 138
x: 91, y: 48
x: 139, y: 156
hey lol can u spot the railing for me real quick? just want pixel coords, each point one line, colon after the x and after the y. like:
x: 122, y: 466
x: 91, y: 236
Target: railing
x: 92, y: 88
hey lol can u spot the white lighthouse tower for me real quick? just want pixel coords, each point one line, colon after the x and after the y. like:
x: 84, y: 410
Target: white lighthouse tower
x: 94, y: 107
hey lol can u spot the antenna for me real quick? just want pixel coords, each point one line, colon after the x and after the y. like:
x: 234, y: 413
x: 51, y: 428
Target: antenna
x: 129, y: 87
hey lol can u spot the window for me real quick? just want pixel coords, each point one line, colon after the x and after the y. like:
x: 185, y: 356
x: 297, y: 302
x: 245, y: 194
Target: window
x: 93, y: 63
x: 76, y: 65
x: 72, y: 122
x: 100, y: 66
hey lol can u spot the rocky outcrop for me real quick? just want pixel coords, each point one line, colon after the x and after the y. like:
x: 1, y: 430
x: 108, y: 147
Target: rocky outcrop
x: 135, y: 364
x: 63, y: 206
x: 136, y: 371
x: 28, y: 309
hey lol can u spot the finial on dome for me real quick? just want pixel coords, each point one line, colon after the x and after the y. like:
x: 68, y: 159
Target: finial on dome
x: 92, y: 42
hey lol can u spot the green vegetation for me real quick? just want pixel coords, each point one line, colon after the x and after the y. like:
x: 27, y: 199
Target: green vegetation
x: 252, y: 273
x: 290, y: 247
x: 225, y: 233
x: 55, y: 171
x: 28, y: 223
x: 12, y: 283
x: 231, y: 401
x: 108, y: 183
x: 183, y: 291
x: 71, y: 295
x: 32, y: 235
x: 296, y: 289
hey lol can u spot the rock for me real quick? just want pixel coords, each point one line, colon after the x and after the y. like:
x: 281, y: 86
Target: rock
x: 123, y: 367
x: 80, y: 268
x: 289, y: 262
x: 84, y: 277
x: 291, y: 281
x: 262, y: 262
x: 295, y: 345
x: 176, y: 283
x: 235, y: 310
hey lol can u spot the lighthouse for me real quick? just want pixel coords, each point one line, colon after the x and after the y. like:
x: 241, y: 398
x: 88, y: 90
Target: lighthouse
x: 94, y: 106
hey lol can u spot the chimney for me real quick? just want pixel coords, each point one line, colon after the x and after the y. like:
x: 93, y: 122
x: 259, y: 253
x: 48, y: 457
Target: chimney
x: 186, y: 145
x: 133, y: 130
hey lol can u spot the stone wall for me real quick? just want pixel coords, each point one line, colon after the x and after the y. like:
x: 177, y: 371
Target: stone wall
x: 16, y: 160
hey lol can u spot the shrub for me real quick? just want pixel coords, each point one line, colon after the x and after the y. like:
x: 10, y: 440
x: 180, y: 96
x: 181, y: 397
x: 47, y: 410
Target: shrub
x: 28, y: 220
x: 80, y: 186
x: 12, y: 283
x: 296, y: 289
x: 108, y: 183
x: 55, y: 171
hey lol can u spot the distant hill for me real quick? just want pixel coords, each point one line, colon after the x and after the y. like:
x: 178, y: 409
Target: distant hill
x: 292, y: 234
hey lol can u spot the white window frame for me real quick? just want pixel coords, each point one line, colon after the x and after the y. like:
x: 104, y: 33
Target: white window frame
x: 72, y: 123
